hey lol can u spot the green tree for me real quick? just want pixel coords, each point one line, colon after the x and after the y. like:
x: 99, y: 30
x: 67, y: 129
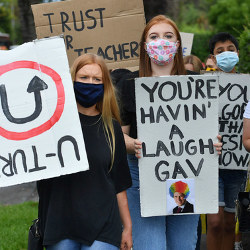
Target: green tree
x: 229, y: 16
x: 9, y: 22
x: 193, y: 19
x: 244, y: 65
x: 5, y: 16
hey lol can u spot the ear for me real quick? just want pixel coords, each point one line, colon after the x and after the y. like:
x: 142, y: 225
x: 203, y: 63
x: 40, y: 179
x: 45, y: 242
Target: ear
x: 145, y: 46
x: 214, y: 59
x: 238, y: 52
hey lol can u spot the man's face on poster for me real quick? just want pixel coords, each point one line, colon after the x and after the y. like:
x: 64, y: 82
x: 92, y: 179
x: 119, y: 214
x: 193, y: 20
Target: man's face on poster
x: 179, y: 198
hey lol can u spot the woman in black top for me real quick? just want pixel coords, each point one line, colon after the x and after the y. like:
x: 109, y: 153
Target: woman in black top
x: 158, y: 232
x: 86, y: 210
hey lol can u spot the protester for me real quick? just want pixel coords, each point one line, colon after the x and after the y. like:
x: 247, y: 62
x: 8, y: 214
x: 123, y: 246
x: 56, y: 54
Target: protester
x: 85, y: 210
x: 193, y: 63
x: 221, y: 227
x: 246, y: 128
x: 210, y: 65
x: 159, y: 232
x: 224, y: 49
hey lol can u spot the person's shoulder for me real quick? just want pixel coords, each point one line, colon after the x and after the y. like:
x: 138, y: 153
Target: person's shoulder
x: 189, y: 205
x: 118, y: 74
x: 127, y: 82
x: 116, y: 125
x: 130, y: 76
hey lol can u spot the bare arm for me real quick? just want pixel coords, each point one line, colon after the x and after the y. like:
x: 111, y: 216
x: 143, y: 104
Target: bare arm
x: 133, y: 146
x: 129, y: 141
x: 126, y: 243
x: 246, y: 134
x: 218, y: 145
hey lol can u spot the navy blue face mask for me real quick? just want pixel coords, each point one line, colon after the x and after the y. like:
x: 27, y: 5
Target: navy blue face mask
x: 88, y: 94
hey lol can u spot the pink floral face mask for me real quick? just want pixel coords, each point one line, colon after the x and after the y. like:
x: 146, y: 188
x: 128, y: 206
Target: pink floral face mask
x: 161, y: 51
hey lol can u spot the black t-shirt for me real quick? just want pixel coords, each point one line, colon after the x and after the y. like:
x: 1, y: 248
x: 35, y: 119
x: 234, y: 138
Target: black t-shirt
x: 127, y: 106
x: 83, y: 206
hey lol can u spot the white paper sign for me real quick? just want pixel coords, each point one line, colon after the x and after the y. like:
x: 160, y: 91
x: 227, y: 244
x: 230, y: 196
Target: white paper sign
x: 177, y: 121
x: 234, y: 96
x: 187, y: 42
x: 40, y: 132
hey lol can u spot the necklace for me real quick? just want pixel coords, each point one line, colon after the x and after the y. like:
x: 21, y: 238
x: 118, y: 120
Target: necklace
x: 85, y: 123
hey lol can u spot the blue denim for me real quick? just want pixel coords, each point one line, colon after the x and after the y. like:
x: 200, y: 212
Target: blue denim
x: 158, y: 232
x: 68, y: 244
x: 231, y: 182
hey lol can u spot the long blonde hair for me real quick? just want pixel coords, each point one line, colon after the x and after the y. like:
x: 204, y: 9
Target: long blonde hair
x: 145, y: 63
x: 108, y: 106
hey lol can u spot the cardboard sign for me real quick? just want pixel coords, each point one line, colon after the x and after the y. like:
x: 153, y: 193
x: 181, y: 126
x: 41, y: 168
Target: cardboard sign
x: 40, y: 132
x: 187, y: 42
x: 234, y: 96
x: 111, y: 29
x: 177, y: 121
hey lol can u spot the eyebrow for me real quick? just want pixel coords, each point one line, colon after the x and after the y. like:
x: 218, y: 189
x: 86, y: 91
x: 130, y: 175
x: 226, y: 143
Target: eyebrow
x: 164, y: 33
x: 230, y: 46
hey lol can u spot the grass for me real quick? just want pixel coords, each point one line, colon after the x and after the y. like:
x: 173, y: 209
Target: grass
x: 15, y: 221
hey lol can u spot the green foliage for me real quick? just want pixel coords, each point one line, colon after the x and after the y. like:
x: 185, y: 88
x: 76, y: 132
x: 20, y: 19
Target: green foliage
x: 205, y: 18
x: 15, y: 221
x: 193, y: 19
x: 244, y: 44
x: 5, y: 17
x: 200, y: 45
x: 9, y: 20
x: 193, y: 15
x: 229, y: 16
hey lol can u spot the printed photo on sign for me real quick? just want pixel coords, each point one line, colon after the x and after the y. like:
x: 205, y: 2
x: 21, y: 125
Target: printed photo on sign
x: 180, y: 196
x: 40, y: 132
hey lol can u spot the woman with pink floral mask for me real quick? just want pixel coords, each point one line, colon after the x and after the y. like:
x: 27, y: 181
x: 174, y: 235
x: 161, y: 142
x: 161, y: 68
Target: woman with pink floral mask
x: 160, y: 55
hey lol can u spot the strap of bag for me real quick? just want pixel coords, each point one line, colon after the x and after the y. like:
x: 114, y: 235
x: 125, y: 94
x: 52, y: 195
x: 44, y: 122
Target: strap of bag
x: 247, y: 187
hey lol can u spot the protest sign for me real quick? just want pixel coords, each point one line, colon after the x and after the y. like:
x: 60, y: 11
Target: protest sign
x: 187, y: 42
x: 111, y: 29
x: 234, y: 95
x: 40, y: 132
x: 177, y: 121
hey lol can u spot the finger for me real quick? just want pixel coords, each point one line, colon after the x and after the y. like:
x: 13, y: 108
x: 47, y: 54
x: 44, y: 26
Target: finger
x: 219, y: 137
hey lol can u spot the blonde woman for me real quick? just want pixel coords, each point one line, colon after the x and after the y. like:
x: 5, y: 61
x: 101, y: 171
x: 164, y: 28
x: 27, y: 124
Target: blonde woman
x: 89, y: 210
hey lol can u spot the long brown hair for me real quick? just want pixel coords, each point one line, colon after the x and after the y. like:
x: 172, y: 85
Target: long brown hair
x: 108, y: 106
x: 145, y: 63
x: 195, y: 61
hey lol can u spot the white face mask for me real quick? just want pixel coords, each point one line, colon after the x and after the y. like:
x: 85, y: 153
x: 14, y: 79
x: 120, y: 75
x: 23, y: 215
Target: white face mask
x: 161, y: 51
x: 227, y: 60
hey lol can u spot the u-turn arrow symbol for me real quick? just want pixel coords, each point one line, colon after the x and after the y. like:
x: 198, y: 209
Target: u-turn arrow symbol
x: 36, y: 85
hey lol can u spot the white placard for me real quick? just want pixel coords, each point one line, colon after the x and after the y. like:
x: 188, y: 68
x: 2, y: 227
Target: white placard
x: 234, y: 96
x: 177, y: 121
x: 40, y: 132
x: 187, y: 42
